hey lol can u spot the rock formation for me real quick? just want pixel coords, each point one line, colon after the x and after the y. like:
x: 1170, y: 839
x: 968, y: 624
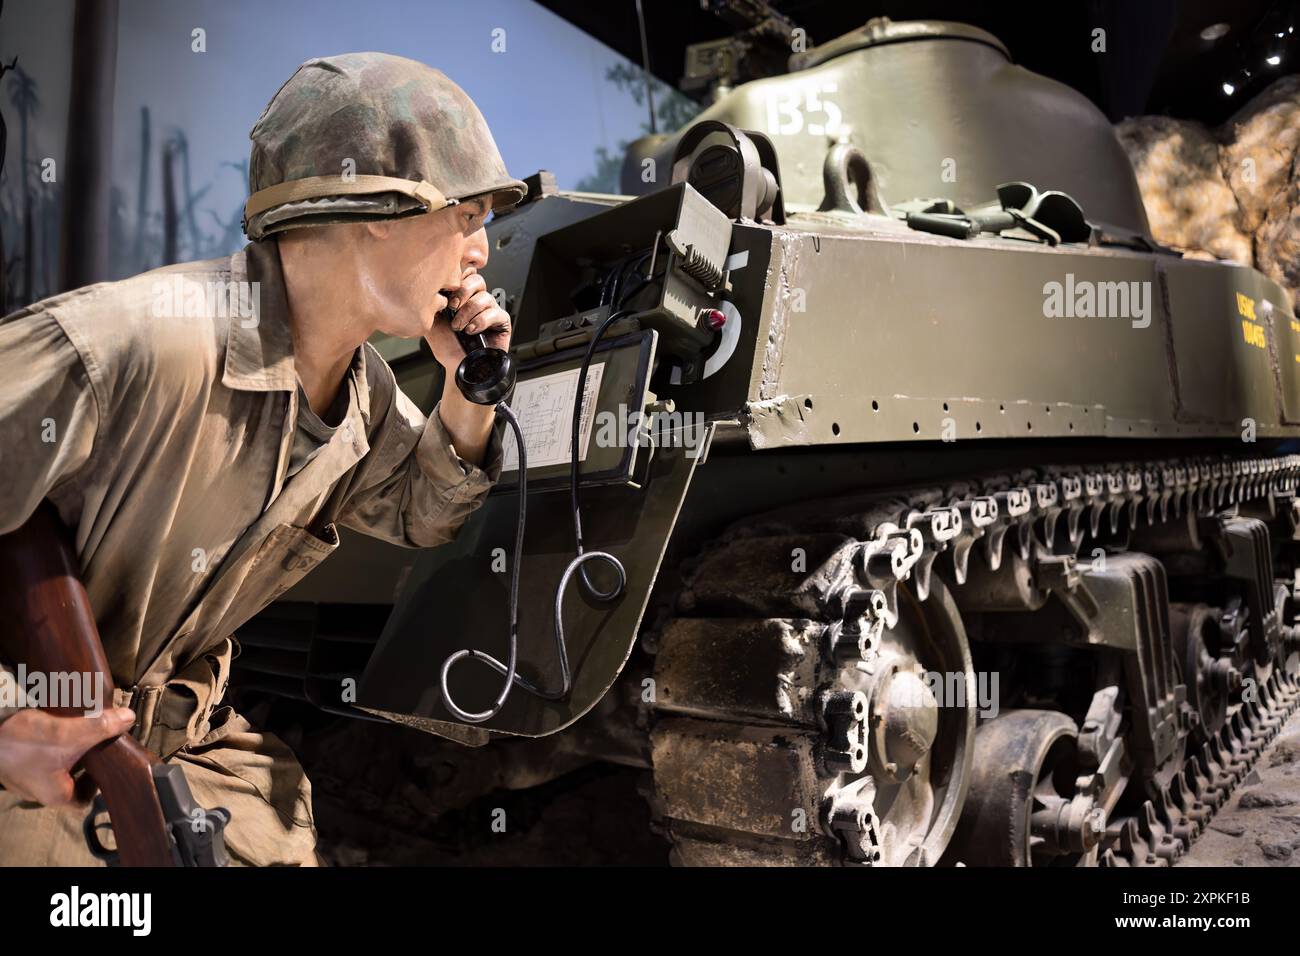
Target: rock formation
x: 1232, y: 192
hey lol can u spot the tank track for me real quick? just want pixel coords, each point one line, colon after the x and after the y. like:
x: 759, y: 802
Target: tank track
x: 753, y: 746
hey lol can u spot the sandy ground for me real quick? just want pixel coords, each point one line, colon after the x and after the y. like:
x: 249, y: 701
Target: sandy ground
x: 1260, y: 825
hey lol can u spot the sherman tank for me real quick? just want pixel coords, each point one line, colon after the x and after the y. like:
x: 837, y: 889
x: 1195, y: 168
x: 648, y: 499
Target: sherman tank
x: 956, y: 517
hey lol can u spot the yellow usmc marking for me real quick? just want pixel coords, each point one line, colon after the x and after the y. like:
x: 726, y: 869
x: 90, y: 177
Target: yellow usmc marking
x: 1253, y: 334
x: 1250, y: 331
x: 1246, y: 306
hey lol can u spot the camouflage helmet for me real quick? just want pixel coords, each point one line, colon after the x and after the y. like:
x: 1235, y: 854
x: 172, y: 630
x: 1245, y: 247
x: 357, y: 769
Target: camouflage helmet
x: 366, y: 136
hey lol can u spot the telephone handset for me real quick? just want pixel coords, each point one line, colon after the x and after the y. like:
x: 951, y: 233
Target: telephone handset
x: 485, y: 375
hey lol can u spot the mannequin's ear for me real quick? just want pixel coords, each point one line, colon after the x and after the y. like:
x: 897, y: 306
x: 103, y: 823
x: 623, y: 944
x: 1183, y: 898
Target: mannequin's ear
x: 379, y: 228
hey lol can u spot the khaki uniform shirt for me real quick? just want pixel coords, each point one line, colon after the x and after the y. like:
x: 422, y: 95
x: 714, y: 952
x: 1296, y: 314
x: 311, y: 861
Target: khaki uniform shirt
x: 158, y: 415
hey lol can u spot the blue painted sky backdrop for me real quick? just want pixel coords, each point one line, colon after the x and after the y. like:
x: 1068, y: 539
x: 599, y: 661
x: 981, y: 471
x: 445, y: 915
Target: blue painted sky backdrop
x: 546, y: 97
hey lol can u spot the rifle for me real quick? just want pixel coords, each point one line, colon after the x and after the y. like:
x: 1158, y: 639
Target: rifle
x: 46, y: 623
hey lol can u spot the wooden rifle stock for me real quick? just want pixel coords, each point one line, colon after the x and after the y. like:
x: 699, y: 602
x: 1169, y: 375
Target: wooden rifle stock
x: 46, y: 623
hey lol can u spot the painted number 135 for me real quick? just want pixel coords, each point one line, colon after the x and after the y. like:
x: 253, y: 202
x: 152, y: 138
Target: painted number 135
x: 803, y: 110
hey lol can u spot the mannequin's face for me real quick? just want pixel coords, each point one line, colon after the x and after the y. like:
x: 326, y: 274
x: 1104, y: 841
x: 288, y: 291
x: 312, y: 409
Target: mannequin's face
x: 406, y: 267
x: 345, y: 282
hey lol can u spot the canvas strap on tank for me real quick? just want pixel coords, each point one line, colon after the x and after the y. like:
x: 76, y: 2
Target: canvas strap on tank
x: 318, y: 187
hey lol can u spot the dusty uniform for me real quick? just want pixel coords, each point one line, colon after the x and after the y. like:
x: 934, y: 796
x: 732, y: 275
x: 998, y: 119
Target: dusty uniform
x: 163, y: 428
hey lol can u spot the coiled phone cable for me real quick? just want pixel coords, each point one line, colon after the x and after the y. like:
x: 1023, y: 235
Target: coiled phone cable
x: 579, y: 562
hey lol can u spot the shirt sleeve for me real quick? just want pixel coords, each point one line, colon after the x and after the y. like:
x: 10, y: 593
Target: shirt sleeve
x: 49, y: 414
x: 416, y: 491
x: 49, y: 417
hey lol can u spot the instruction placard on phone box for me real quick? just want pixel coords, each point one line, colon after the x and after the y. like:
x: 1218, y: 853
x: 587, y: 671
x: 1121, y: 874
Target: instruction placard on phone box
x: 544, y: 406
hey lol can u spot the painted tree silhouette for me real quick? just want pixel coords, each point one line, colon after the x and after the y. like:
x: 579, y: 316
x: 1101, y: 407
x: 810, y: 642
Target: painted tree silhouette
x: 232, y: 229
x: 142, y: 193
x: 86, y: 191
x: 24, y: 99
x: 4, y: 146
x: 672, y: 112
x: 171, y: 220
x: 192, y: 198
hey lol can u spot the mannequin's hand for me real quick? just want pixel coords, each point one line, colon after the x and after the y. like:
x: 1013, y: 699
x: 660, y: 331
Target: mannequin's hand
x: 475, y: 311
x: 39, y: 750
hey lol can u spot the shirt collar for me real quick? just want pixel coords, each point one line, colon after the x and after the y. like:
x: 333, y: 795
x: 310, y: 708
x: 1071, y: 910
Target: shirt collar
x: 360, y: 383
x: 259, y: 351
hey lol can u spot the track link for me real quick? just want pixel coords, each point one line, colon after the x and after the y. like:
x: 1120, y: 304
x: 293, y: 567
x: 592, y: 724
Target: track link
x: 761, y: 751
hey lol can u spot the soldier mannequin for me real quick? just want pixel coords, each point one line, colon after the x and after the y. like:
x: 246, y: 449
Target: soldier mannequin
x: 246, y: 440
